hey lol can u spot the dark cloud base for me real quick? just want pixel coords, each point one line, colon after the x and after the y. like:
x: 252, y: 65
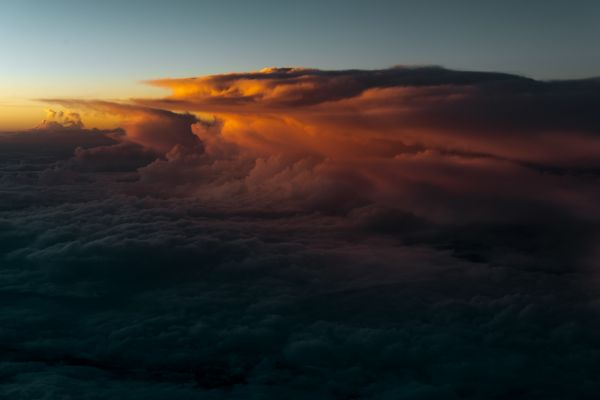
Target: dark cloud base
x: 112, y: 295
x: 119, y: 279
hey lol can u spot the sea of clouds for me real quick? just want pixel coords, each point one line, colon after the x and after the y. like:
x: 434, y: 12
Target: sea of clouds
x: 410, y: 233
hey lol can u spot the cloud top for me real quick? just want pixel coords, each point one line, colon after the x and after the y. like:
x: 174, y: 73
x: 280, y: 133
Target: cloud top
x: 60, y: 120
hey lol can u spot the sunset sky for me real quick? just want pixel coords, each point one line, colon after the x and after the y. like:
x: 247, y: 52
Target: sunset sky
x: 90, y: 49
x: 299, y: 200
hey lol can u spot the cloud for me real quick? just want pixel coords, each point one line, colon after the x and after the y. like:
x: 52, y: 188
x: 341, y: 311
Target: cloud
x: 402, y: 233
x: 60, y: 120
x: 177, y: 299
x: 354, y: 111
x: 305, y: 87
x: 453, y: 148
x: 155, y: 129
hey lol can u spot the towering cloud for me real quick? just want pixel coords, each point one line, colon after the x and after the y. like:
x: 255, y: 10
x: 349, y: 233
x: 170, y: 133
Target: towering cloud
x: 448, y: 147
x: 57, y: 120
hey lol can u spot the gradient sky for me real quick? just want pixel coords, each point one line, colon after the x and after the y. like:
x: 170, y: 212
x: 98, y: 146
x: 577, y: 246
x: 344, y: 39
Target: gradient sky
x: 415, y: 215
x: 92, y: 49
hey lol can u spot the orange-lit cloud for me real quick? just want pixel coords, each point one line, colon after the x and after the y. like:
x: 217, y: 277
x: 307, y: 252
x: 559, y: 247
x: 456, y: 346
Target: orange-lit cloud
x: 61, y: 120
x: 156, y: 129
x: 386, y: 112
x: 447, y: 145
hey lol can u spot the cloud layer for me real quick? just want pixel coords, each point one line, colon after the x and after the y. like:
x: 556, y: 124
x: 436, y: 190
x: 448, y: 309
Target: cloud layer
x: 408, y: 233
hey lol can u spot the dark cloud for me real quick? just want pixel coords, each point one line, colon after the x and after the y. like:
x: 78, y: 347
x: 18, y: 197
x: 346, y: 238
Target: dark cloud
x: 143, y: 298
x: 117, y: 157
x: 333, y: 235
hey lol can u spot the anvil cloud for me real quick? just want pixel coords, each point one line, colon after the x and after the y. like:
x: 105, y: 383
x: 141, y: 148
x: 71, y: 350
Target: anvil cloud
x: 499, y: 114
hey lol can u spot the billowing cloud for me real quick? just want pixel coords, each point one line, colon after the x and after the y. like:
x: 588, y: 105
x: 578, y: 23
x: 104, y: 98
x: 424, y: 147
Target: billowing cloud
x: 156, y: 129
x: 381, y: 112
x: 59, y: 120
x: 449, y: 147
x: 295, y: 233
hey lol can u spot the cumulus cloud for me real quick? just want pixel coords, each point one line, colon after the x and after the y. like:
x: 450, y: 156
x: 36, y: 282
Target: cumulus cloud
x: 59, y: 120
x: 293, y: 233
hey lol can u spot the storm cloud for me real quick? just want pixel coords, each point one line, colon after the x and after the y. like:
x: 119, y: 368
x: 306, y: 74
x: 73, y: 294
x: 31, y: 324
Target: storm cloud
x: 414, y: 233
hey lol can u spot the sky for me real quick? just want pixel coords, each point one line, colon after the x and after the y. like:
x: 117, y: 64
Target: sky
x: 233, y: 200
x: 104, y: 49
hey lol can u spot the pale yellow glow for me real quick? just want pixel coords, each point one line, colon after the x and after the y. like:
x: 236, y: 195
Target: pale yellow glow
x: 22, y: 106
x: 19, y: 116
x: 29, y: 114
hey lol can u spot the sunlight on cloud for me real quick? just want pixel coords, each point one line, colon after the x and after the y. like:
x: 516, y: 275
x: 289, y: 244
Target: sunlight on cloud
x: 400, y: 233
